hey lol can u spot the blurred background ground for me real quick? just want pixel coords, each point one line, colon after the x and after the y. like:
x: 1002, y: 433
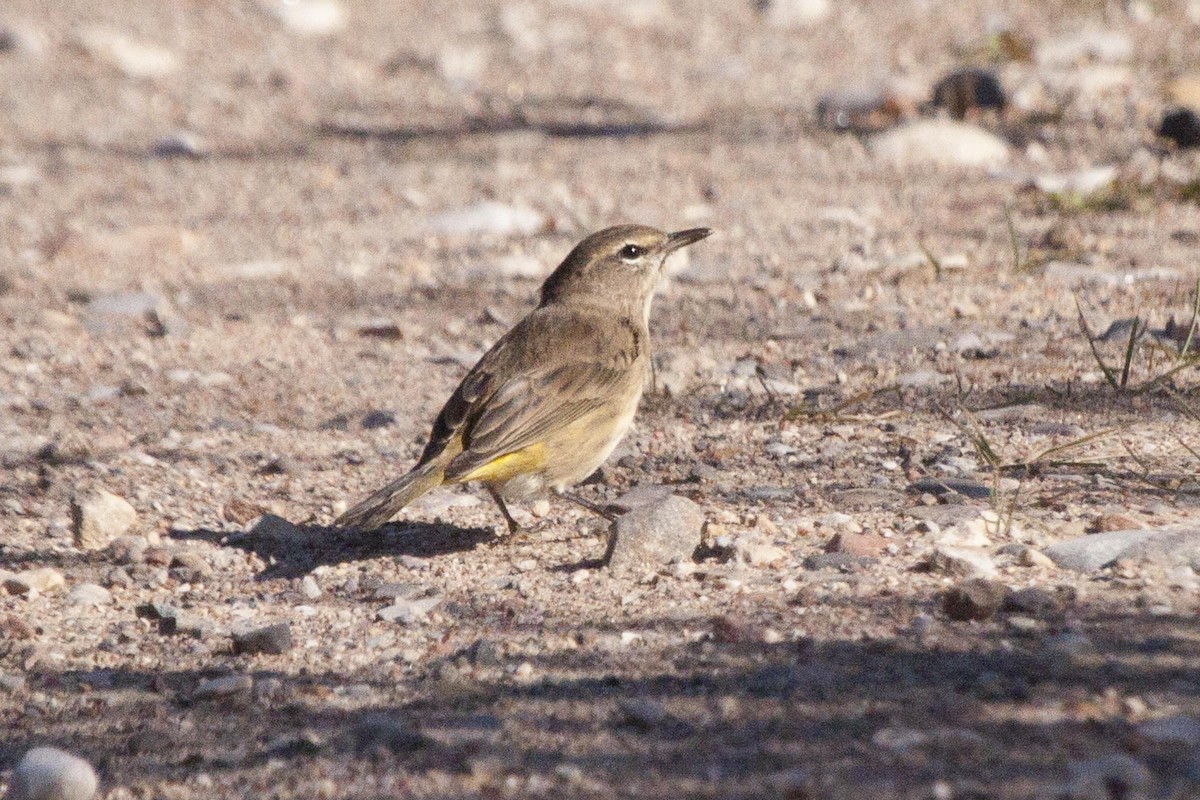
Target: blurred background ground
x: 247, y: 248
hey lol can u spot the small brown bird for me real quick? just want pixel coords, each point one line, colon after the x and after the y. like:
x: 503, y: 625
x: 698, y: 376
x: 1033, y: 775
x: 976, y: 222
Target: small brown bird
x: 550, y: 401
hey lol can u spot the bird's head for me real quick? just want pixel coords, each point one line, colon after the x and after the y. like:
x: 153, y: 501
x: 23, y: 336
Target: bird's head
x: 618, y: 265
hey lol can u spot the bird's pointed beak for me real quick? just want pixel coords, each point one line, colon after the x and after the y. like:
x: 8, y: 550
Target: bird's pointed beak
x: 684, y: 238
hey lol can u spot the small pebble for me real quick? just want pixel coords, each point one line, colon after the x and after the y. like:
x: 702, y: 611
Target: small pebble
x: 271, y: 639
x: 47, y: 773
x: 99, y: 518
x: 975, y: 599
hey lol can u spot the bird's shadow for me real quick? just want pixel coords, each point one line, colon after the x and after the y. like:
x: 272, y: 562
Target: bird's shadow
x: 292, y: 551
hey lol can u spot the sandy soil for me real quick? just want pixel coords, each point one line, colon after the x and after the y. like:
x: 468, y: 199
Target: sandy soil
x: 200, y: 322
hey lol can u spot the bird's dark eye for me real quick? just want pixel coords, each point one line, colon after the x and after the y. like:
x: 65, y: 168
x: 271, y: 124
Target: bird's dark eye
x: 631, y: 252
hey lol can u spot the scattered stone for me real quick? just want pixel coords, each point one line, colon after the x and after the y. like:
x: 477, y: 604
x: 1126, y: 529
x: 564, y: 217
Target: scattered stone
x: 12, y: 683
x: 14, y: 628
x: 240, y: 512
x: 864, y: 110
x: 409, y: 612
x: 756, y: 551
x: 310, y: 17
x: 309, y: 588
x: 642, y: 713
x: 1032, y: 557
x: 384, y: 734
x: 974, y: 533
x: 1095, y: 551
x: 1083, y: 47
x: 47, y: 773
x: 380, y: 329
x: 1080, y: 184
x: 655, y: 533
x: 484, y: 653
x: 967, y: 91
x: 34, y: 581
x: 1106, y: 523
x: 1113, y: 776
x: 976, y: 490
x: 135, y: 58
x: 940, y: 142
x: 127, y: 549
x: 224, y: 686
x: 646, y: 494
x: 378, y: 419
x: 490, y: 218
x: 100, y: 517
x: 857, y: 544
x: 399, y: 590
x: 189, y: 567
x: 975, y: 599
x: 842, y: 562
x: 796, y: 13
x: 1172, y: 730
x: 964, y: 562
x: 274, y: 530
x: 89, y: 594
x: 945, y: 515
x: 180, y: 144
x: 272, y: 640
x: 157, y: 556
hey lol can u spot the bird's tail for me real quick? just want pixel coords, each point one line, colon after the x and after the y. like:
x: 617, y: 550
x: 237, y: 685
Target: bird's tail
x: 384, y: 504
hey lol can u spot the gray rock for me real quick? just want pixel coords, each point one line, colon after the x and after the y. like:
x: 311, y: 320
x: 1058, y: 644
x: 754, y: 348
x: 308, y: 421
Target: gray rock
x: 408, y: 612
x: 11, y: 683
x: 89, y: 594
x: 383, y: 733
x: 271, y: 639
x: 180, y: 144
x: 309, y: 588
x: 398, y: 590
x: 1172, y: 730
x: 32, y: 581
x: 964, y: 562
x: 976, y: 490
x: 842, y: 562
x: 47, y: 773
x: 642, y: 495
x: 128, y: 549
x: 99, y: 518
x: 224, y: 686
x: 945, y: 515
x: 867, y: 499
x: 1116, y: 775
x: 654, y: 534
x: 975, y: 599
x: 1095, y: 551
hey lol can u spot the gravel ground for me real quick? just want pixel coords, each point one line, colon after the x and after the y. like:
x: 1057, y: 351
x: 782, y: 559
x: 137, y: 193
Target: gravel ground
x: 246, y: 250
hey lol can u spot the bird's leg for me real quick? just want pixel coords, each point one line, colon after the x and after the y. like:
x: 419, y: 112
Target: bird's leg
x: 513, y: 525
x: 588, y: 504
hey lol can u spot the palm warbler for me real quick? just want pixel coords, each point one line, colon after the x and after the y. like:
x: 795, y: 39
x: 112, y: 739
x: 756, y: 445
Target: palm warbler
x: 547, y: 404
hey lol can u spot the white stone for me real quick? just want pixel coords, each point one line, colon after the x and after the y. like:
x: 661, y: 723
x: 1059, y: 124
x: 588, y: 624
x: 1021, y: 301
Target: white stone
x: 89, y: 594
x: 965, y: 562
x: 135, y: 58
x: 99, y: 518
x: 1081, y: 182
x: 490, y: 217
x: 47, y: 773
x: 1084, y: 46
x: 941, y: 142
x: 797, y: 13
x: 310, y: 17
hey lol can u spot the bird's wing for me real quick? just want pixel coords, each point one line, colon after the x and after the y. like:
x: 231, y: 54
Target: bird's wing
x: 549, y: 371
